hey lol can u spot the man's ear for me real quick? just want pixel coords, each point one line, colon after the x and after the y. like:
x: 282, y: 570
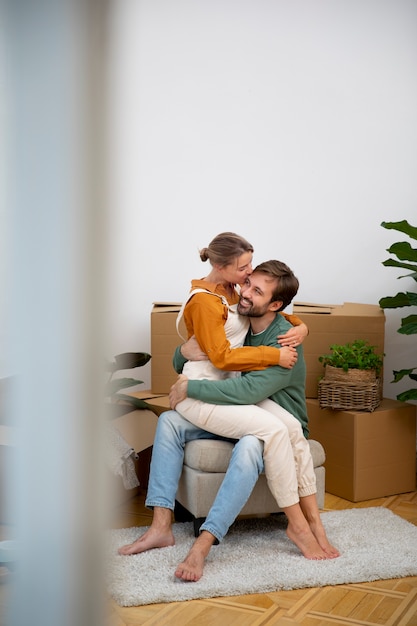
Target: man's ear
x: 276, y: 305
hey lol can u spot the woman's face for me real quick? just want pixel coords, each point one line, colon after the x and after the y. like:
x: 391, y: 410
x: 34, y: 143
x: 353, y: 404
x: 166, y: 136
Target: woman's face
x: 238, y: 270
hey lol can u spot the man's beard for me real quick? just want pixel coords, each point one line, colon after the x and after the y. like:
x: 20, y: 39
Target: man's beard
x: 251, y: 310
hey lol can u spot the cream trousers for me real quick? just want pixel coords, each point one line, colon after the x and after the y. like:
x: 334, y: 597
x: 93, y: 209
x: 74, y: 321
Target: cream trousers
x: 288, y: 463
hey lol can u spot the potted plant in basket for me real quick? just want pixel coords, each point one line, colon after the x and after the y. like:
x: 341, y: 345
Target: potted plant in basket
x: 351, y: 377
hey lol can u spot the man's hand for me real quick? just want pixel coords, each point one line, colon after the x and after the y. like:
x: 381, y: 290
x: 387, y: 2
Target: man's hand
x: 178, y: 391
x: 191, y: 350
x: 294, y: 336
x: 288, y: 357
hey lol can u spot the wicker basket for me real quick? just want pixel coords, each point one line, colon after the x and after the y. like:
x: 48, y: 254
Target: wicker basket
x: 357, y: 390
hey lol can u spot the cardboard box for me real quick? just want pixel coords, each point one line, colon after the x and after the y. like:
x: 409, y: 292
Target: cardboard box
x: 368, y: 455
x: 329, y: 324
x: 138, y: 429
x: 159, y: 402
x: 164, y: 340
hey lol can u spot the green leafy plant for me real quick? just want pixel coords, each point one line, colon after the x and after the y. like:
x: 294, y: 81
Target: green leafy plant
x: 124, y: 361
x: 356, y: 355
x: 406, y: 259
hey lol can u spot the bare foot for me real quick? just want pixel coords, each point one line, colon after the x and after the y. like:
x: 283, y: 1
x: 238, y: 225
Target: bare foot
x: 153, y: 538
x: 306, y: 542
x: 318, y: 531
x: 191, y: 569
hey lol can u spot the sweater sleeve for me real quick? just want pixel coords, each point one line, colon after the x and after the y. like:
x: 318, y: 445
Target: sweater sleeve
x: 292, y: 319
x: 205, y: 317
x: 178, y: 361
x: 247, y: 389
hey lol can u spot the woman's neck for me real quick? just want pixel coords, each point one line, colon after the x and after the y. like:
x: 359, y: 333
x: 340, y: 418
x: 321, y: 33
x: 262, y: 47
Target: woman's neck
x: 217, y: 278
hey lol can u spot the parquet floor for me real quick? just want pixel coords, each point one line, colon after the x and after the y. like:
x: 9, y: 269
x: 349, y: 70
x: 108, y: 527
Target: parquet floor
x: 387, y: 602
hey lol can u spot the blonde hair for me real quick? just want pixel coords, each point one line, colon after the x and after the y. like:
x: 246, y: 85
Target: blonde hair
x: 225, y: 248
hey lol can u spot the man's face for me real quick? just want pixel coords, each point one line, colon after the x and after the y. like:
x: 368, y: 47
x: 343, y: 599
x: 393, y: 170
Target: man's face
x: 256, y: 295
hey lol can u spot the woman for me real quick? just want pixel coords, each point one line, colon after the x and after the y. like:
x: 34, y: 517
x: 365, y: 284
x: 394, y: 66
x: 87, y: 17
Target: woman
x: 210, y: 315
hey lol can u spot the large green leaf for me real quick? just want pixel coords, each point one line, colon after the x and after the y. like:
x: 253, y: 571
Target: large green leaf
x: 130, y: 360
x: 400, y: 374
x: 136, y: 402
x: 400, y: 300
x: 113, y: 386
x: 403, y: 226
x: 406, y: 396
x: 127, y: 361
x: 403, y: 250
x: 408, y: 325
x: 394, y: 263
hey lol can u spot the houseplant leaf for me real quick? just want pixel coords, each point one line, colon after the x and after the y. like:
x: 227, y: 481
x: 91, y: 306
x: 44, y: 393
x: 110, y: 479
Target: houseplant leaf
x: 127, y: 361
x: 408, y: 325
x: 403, y: 226
x: 113, y: 386
x: 403, y: 251
x: 400, y: 300
x: 136, y: 402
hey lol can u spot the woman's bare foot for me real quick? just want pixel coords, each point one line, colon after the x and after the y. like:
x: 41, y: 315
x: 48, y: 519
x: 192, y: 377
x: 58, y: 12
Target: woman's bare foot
x: 306, y: 542
x: 191, y: 569
x: 318, y: 531
x: 153, y: 538
x: 311, y: 512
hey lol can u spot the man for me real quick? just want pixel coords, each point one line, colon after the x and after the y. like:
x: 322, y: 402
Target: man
x: 286, y: 387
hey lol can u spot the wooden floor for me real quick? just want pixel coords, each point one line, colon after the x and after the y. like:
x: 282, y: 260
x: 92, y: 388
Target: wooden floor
x: 389, y: 602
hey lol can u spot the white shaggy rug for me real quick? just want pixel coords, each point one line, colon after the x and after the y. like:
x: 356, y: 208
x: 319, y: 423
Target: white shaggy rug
x: 257, y: 557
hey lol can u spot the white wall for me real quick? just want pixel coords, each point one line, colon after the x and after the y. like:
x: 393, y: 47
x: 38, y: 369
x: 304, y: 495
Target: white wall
x: 291, y: 122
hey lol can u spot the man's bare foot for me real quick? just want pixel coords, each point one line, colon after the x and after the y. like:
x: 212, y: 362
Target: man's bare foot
x: 153, y: 538
x: 318, y: 531
x: 191, y: 569
x: 306, y: 542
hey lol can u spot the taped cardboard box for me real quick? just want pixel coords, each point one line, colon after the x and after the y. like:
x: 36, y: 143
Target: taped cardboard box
x: 164, y: 340
x: 368, y: 455
x: 329, y: 324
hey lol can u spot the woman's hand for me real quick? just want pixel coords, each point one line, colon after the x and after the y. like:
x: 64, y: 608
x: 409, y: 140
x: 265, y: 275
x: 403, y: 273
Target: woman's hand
x: 294, y: 336
x: 191, y: 350
x: 287, y: 357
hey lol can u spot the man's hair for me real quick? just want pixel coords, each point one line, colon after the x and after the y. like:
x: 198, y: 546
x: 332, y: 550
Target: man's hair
x: 286, y: 284
x: 225, y: 248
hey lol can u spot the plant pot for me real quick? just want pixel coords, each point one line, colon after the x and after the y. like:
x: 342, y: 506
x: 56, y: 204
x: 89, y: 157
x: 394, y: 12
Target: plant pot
x: 351, y: 376
x: 355, y: 389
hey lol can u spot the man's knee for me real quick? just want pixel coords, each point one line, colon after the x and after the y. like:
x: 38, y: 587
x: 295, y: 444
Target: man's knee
x: 250, y: 449
x: 172, y: 424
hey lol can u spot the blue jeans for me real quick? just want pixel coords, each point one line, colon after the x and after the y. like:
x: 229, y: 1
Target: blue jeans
x: 172, y: 433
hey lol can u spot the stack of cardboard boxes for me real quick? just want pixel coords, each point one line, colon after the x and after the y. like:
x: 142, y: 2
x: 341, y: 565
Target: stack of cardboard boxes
x: 368, y: 455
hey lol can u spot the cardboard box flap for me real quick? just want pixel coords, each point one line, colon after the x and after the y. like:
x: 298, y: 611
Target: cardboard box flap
x: 353, y: 308
x: 347, y: 308
x: 309, y: 307
x: 166, y: 307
